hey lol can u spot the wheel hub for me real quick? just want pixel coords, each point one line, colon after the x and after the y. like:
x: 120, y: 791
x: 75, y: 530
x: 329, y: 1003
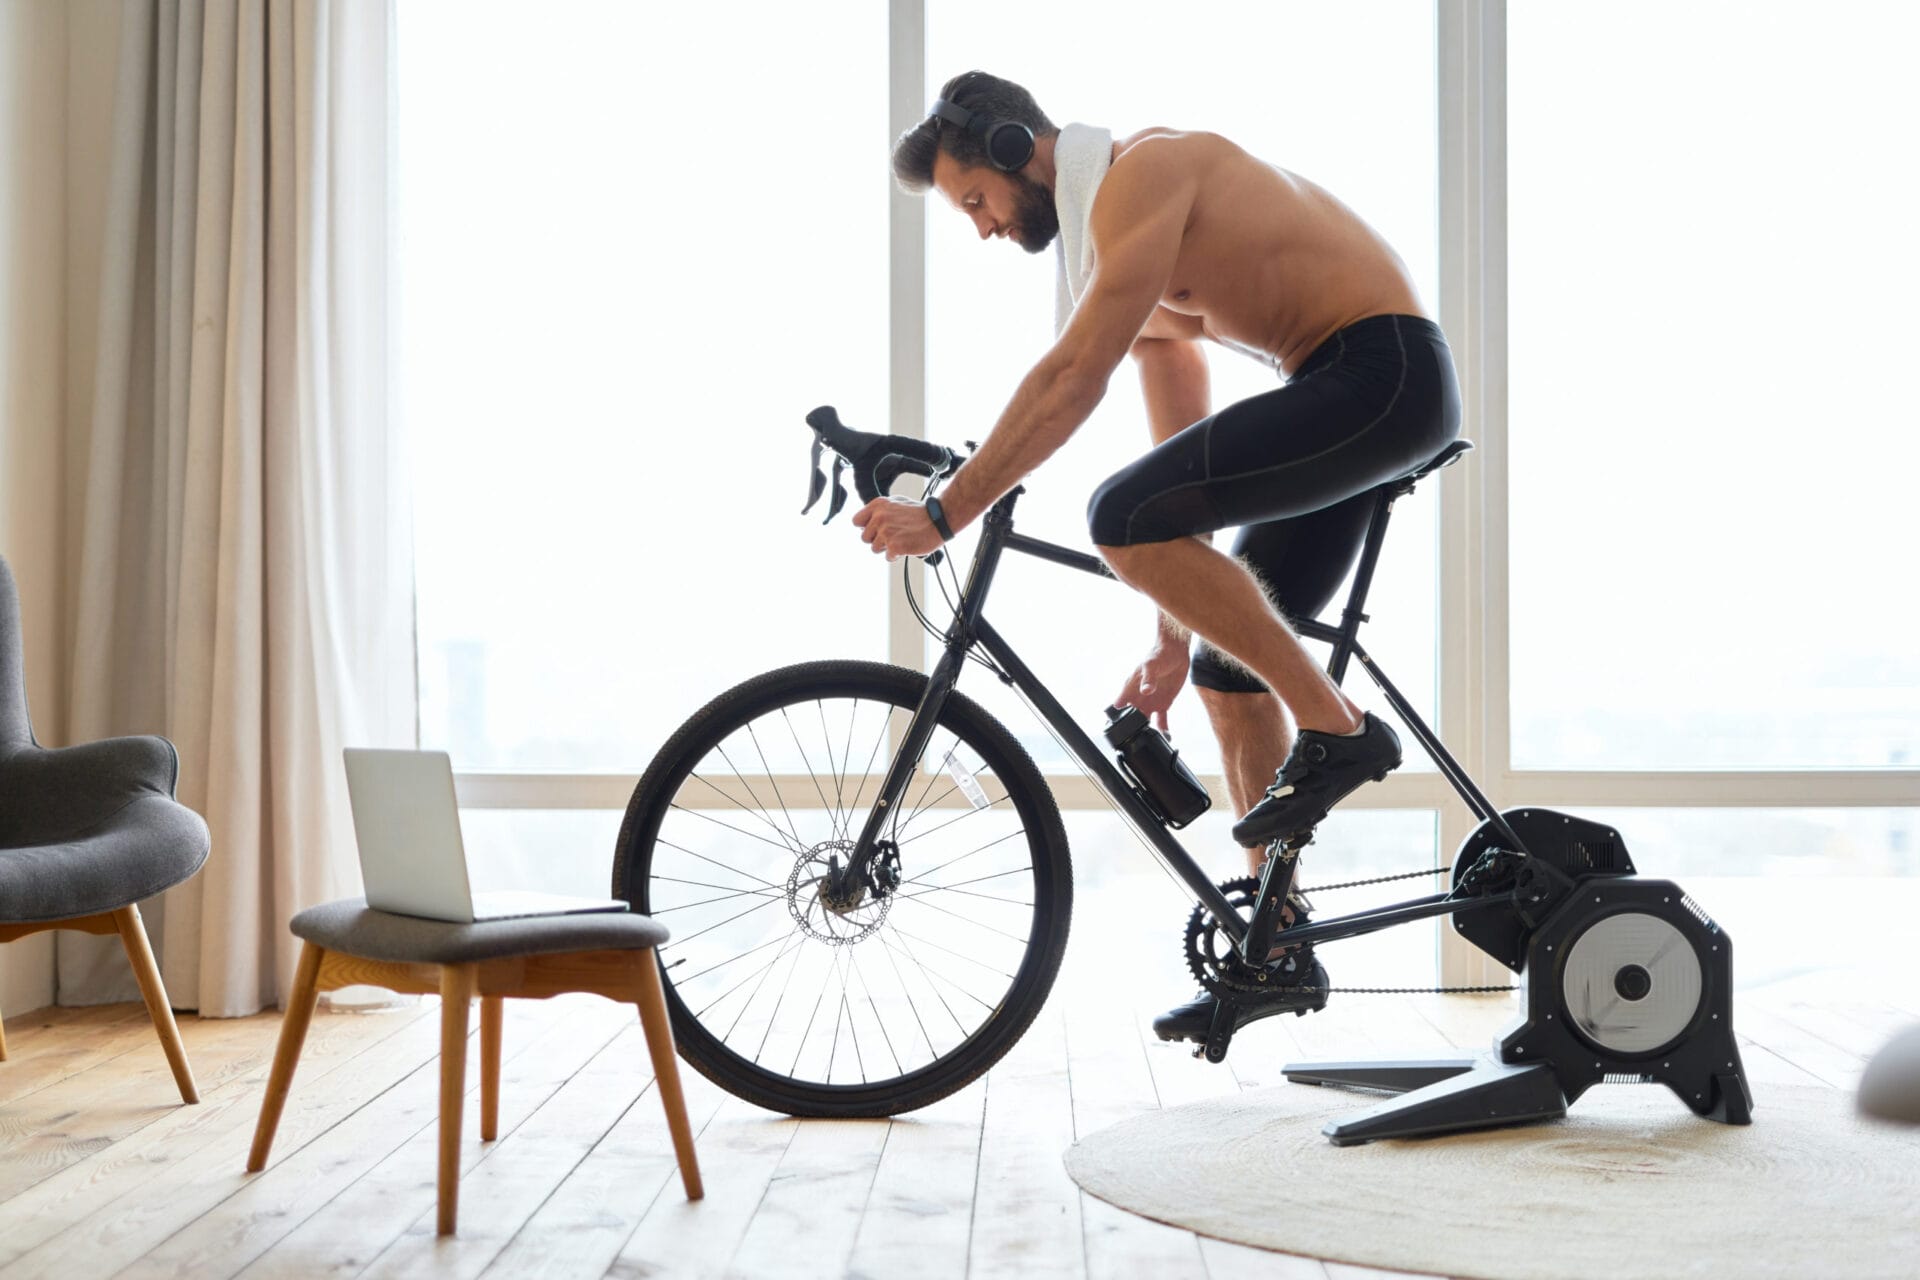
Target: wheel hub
x: 830, y: 905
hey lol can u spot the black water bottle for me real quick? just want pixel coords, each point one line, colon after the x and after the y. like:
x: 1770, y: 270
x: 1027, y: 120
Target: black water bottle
x: 1155, y: 768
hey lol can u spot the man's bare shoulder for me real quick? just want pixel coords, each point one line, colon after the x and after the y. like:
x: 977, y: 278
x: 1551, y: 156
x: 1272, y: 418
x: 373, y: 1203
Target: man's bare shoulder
x: 1149, y: 168
x: 1173, y: 146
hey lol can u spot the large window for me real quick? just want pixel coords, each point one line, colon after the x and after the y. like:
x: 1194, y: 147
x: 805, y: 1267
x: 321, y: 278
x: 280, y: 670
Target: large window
x: 633, y: 260
x: 641, y: 244
x: 1713, y: 260
x: 1279, y: 80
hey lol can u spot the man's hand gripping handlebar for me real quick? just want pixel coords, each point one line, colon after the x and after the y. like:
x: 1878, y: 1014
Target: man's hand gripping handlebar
x: 876, y: 461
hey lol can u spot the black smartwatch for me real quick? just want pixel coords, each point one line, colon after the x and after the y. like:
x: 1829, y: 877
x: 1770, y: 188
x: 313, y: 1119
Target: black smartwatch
x: 939, y: 516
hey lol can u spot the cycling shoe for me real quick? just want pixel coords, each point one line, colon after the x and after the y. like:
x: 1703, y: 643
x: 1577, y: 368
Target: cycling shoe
x: 1192, y: 1020
x: 1320, y: 772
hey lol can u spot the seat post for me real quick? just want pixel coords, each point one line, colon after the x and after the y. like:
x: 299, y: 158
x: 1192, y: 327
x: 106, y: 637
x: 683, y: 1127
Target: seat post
x: 1351, y: 617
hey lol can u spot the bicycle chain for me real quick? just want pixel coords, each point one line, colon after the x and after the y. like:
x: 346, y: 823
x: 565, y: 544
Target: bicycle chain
x: 1393, y: 991
x: 1353, y: 884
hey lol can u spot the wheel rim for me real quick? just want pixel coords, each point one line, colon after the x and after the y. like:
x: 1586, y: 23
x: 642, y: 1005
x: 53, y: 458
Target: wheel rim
x: 862, y: 992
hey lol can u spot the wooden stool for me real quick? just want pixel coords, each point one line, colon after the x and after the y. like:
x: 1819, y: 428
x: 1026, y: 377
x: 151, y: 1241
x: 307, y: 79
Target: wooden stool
x: 606, y: 953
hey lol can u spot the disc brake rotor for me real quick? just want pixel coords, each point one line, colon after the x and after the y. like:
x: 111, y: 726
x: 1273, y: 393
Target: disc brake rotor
x: 811, y: 904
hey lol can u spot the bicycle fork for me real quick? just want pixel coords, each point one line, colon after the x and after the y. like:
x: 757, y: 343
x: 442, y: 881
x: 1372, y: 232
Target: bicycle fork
x: 946, y: 673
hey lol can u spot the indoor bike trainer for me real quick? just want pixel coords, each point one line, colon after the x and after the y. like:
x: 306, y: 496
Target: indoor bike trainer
x: 1623, y: 979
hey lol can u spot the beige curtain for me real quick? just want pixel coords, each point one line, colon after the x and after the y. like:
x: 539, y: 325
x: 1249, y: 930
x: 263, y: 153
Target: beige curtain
x: 243, y: 582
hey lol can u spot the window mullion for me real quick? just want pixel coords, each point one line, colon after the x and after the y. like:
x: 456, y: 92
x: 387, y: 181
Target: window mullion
x: 1470, y: 39
x: 906, y: 301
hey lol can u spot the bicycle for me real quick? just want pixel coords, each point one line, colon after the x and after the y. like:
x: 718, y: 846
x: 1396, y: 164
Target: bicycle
x: 814, y: 886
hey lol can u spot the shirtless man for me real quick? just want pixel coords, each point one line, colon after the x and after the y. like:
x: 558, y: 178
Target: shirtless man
x: 1194, y: 239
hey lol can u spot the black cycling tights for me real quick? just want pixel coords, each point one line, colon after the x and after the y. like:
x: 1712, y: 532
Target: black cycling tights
x: 1295, y: 468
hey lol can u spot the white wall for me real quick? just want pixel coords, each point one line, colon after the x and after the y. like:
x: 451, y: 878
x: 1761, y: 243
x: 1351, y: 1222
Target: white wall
x: 33, y: 377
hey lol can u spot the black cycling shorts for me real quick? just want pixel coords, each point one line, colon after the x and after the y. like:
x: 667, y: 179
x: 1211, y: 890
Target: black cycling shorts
x: 1294, y: 468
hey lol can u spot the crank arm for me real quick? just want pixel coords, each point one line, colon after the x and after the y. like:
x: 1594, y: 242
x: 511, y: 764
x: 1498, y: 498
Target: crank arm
x: 1219, y: 1031
x: 1276, y: 881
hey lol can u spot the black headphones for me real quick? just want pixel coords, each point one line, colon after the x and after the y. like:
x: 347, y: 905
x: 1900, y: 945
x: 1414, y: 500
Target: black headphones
x: 1009, y: 143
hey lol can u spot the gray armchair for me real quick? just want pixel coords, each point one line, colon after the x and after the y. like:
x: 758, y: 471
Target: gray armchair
x: 88, y: 831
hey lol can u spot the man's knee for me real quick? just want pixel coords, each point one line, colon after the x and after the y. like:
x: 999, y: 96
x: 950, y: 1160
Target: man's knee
x: 1109, y: 514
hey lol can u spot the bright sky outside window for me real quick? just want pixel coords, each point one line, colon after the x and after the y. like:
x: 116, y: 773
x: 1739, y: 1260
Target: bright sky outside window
x: 626, y: 278
x: 1713, y: 258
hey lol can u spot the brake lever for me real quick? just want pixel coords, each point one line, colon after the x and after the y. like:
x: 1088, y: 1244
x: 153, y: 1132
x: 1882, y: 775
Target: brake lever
x: 839, y: 490
x: 816, y: 478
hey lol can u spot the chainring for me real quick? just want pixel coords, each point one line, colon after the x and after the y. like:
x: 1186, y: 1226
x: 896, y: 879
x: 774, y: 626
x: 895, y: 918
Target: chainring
x: 1215, y: 962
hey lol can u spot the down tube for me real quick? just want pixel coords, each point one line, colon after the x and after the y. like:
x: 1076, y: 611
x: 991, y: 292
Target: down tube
x: 1111, y: 782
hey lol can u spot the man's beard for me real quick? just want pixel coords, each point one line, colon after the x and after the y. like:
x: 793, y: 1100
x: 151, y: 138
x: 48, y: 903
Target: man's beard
x: 1034, y: 215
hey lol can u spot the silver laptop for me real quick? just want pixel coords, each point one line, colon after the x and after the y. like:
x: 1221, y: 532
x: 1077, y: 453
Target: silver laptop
x: 407, y: 824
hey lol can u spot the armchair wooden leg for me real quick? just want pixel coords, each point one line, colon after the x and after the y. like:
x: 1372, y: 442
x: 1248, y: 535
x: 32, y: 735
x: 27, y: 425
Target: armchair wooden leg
x: 666, y: 1070
x: 490, y: 1012
x: 286, y: 1055
x: 133, y: 936
x: 3, y: 1040
x: 457, y: 983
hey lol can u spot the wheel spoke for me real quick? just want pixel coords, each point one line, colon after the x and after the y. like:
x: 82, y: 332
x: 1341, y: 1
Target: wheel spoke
x: 741, y: 956
x: 915, y: 810
x: 903, y: 935
x: 722, y: 865
x: 681, y: 942
x: 991, y: 805
x: 919, y: 879
x: 808, y: 764
x: 929, y: 975
x: 866, y: 772
x: 854, y: 962
x: 761, y: 812
x: 781, y: 844
x: 776, y: 787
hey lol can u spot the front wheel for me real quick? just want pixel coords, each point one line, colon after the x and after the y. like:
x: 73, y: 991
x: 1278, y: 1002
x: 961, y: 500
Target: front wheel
x: 870, y: 1005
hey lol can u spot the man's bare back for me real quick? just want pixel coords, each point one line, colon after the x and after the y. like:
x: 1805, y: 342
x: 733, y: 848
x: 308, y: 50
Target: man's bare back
x: 1270, y: 264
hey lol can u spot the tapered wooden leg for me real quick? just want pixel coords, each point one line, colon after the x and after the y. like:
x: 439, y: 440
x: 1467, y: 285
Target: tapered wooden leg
x: 133, y: 936
x: 3, y: 1040
x: 286, y: 1056
x: 666, y: 1070
x: 456, y: 997
x: 489, y: 1068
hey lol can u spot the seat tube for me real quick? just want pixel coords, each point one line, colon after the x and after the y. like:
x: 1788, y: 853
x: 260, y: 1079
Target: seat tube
x: 1351, y: 617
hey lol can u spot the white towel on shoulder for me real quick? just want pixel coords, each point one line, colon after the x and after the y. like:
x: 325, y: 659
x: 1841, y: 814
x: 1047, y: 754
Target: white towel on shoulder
x: 1081, y: 156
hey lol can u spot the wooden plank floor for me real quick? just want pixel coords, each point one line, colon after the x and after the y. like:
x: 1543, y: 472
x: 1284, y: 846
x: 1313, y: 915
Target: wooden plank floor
x: 103, y: 1173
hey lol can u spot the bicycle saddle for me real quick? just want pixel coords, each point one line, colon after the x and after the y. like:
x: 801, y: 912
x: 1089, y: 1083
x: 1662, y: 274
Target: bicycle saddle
x: 876, y: 460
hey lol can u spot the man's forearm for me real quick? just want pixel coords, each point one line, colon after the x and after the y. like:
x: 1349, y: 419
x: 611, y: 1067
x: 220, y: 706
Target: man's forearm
x: 1050, y: 405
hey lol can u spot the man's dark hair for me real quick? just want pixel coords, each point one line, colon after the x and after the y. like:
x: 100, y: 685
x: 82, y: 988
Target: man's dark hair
x: 914, y: 150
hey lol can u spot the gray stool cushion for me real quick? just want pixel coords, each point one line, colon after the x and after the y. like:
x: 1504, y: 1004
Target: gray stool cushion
x: 352, y: 927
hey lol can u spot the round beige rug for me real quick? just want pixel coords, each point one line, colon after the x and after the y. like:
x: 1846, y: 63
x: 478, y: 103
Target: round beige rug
x: 1631, y: 1184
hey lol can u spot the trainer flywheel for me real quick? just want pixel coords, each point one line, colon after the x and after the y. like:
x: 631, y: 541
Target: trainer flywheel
x: 1632, y: 983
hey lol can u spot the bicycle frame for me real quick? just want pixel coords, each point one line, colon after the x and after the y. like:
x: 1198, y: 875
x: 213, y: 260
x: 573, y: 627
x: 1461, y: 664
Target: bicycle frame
x: 970, y: 628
